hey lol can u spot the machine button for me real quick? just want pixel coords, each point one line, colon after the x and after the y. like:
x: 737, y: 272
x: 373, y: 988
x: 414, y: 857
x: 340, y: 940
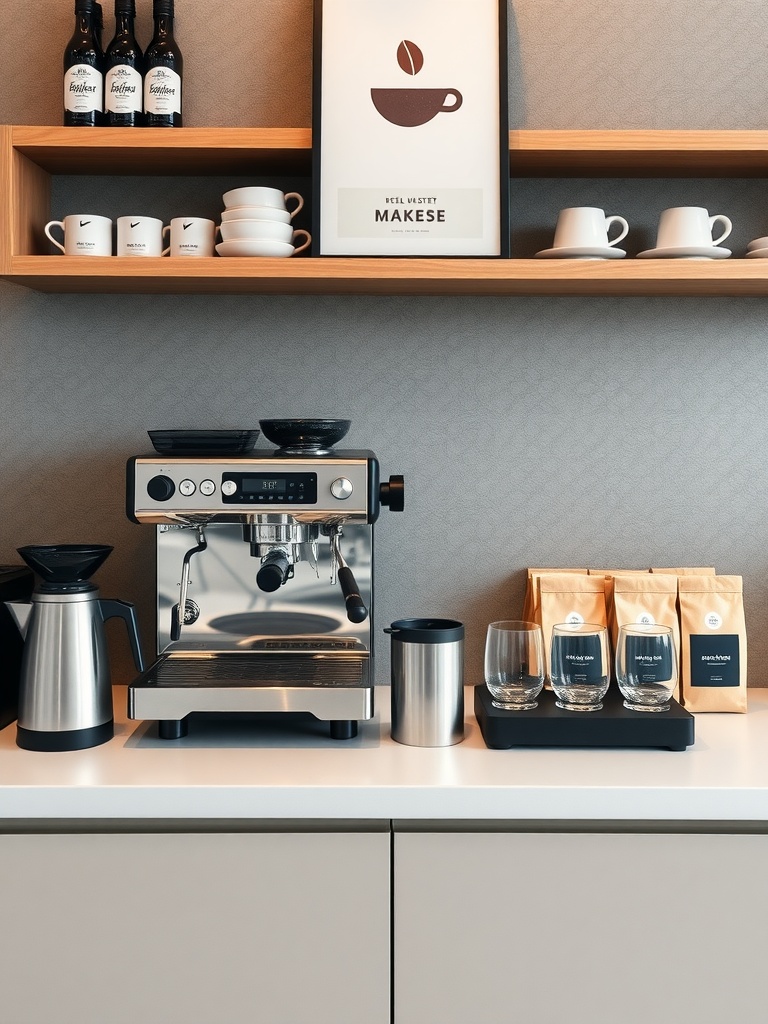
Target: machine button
x: 228, y: 487
x: 187, y: 487
x: 161, y: 488
x: 341, y: 488
x: 207, y: 487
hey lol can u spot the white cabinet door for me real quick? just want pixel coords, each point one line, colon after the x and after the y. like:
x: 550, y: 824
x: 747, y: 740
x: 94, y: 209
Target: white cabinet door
x: 505, y: 928
x: 195, y: 928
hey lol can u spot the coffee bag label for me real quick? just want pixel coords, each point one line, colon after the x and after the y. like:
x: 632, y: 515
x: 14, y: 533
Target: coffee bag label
x: 83, y: 89
x: 714, y: 660
x: 162, y: 91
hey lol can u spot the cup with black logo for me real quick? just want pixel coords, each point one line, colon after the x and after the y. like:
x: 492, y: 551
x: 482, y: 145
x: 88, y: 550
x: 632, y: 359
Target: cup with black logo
x: 190, y: 236
x: 579, y: 665
x: 646, y: 666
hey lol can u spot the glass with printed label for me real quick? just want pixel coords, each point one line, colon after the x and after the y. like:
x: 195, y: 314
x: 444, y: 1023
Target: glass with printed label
x: 646, y: 666
x: 579, y: 665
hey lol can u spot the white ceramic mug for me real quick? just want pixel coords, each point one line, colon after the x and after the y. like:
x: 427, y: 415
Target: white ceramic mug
x: 581, y: 227
x: 261, y: 195
x: 139, y: 236
x: 190, y: 236
x: 689, y: 227
x: 84, y: 235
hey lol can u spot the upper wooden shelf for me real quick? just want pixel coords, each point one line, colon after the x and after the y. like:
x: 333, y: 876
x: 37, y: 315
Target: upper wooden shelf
x: 30, y: 155
x: 59, y: 150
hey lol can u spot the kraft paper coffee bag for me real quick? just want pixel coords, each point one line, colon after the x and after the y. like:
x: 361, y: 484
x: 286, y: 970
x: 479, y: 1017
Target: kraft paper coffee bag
x: 569, y: 597
x: 609, y: 576
x: 689, y: 571
x: 531, y: 600
x: 713, y: 643
x: 646, y: 598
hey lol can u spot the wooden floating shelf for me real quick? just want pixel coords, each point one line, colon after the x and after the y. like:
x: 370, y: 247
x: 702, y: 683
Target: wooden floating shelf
x: 380, y: 276
x: 30, y: 155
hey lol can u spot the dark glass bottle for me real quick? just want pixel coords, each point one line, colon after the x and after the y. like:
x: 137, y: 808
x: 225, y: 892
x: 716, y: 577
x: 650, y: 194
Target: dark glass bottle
x: 124, y: 61
x: 83, y: 66
x: 163, y: 72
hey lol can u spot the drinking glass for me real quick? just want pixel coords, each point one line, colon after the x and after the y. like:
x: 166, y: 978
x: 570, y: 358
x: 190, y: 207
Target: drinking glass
x: 579, y: 665
x: 514, y: 664
x: 646, y: 666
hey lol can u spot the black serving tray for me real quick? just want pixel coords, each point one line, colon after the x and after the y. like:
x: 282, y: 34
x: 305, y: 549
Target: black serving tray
x: 550, y: 726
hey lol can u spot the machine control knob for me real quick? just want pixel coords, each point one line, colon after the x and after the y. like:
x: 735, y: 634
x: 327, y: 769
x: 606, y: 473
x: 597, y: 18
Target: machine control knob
x: 228, y: 487
x: 161, y: 488
x: 341, y: 488
x: 187, y: 487
x: 207, y: 487
x: 393, y: 494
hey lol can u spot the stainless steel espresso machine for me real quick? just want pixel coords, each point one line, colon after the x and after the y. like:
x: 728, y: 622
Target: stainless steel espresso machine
x: 264, y: 575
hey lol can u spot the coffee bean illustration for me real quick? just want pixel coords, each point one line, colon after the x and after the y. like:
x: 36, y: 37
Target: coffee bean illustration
x: 409, y: 57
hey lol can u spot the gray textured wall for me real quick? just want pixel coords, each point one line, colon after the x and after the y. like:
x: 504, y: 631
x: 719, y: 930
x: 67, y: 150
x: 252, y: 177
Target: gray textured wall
x: 530, y: 431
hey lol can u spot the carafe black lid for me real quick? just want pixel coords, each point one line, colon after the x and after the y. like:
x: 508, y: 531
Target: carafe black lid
x: 427, y: 631
x: 64, y: 565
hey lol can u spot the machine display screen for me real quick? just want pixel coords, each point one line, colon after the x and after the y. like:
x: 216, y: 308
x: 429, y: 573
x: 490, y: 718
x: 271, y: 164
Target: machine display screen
x: 263, y: 485
x: 269, y: 488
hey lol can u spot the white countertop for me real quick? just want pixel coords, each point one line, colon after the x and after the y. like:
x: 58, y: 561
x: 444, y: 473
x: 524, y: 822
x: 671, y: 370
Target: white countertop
x: 239, y: 771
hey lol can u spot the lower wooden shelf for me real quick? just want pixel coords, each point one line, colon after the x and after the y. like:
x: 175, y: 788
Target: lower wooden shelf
x: 379, y: 276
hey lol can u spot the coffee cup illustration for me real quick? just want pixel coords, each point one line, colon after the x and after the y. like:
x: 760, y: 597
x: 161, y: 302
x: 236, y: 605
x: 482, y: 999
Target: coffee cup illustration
x: 412, y: 107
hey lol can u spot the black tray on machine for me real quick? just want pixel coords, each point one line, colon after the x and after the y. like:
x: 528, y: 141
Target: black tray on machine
x: 550, y: 726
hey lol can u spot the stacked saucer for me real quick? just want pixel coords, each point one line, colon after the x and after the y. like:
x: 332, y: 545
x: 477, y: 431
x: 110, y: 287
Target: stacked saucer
x: 256, y: 221
x: 758, y: 248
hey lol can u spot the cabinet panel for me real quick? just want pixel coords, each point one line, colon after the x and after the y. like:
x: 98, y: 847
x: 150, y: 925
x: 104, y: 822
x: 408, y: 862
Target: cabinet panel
x: 588, y: 929
x: 195, y: 928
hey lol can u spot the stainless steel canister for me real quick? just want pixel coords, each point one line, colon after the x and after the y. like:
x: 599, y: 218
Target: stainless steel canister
x: 427, y: 681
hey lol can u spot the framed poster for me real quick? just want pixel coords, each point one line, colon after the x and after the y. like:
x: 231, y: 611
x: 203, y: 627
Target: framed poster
x: 410, y: 128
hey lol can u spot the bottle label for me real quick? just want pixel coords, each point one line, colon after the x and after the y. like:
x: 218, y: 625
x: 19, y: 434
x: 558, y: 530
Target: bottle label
x: 162, y: 91
x: 83, y: 89
x: 122, y: 90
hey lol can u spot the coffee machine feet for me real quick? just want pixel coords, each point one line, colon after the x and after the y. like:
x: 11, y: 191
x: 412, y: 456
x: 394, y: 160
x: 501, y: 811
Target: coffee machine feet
x: 172, y: 728
x: 343, y: 729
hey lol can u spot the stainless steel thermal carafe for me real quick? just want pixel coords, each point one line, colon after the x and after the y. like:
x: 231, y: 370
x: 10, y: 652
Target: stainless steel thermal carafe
x: 65, y: 691
x: 427, y: 657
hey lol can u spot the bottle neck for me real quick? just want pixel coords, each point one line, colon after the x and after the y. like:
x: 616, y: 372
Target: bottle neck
x: 123, y: 24
x: 164, y: 26
x: 85, y: 23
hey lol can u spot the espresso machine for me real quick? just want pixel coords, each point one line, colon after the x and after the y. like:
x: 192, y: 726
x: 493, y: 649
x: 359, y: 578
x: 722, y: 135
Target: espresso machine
x: 264, y: 574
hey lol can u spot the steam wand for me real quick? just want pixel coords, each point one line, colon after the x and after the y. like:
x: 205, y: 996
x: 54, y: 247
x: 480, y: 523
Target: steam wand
x: 178, y: 612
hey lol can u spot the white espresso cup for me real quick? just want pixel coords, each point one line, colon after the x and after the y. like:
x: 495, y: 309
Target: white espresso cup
x: 261, y: 195
x: 84, y: 235
x: 690, y: 227
x: 139, y: 236
x: 581, y: 227
x: 190, y: 236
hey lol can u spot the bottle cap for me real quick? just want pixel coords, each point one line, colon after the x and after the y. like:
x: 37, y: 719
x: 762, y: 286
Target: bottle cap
x: 125, y: 7
x: 89, y: 6
x: 163, y: 7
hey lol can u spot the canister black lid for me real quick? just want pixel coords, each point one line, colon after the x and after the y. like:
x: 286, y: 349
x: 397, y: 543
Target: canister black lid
x: 427, y: 631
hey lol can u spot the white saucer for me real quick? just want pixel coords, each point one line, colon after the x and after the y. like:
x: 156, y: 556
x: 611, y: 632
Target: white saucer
x: 757, y: 254
x: 254, y: 247
x: 690, y: 252
x: 581, y: 252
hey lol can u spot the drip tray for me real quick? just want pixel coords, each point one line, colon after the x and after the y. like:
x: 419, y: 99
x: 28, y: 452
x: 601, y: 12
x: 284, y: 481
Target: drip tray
x: 614, y: 726
x: 330, y: 685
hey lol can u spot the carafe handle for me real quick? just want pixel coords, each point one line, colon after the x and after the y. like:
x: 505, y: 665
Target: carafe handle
x: 111, y: 609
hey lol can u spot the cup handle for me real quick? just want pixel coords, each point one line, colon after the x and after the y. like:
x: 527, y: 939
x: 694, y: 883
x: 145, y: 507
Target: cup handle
x: 166, y: 230
x: 728, y: 227
x: 455, y: 106
x: 55, y: 224
x: 305, y: 244
x: 299, y: 204
x: 616, y: 220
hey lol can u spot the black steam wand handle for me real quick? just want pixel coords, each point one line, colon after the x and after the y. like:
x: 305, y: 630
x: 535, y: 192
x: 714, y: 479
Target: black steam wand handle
x: 356, y: 610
